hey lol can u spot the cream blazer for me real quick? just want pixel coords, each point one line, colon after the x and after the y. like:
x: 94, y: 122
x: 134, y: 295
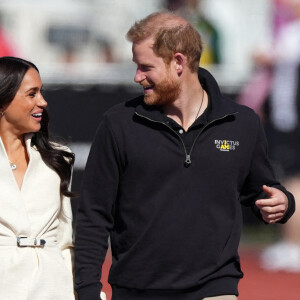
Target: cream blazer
x: 35, y: 210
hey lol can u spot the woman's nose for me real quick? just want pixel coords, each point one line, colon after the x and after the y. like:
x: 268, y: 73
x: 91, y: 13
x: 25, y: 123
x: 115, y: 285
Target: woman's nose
x: 42, y: 102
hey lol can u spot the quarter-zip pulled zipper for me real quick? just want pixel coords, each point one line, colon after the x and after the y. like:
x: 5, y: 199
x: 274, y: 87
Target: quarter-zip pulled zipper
x: 188, y: 160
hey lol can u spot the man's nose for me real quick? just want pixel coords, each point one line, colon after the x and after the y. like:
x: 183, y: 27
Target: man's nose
x: 139, y: 76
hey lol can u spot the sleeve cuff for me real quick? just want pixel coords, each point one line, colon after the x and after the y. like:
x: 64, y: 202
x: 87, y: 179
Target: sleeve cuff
x: 90, y: 292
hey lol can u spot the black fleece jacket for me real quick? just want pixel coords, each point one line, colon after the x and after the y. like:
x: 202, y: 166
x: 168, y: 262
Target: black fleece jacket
x: 173, y: 213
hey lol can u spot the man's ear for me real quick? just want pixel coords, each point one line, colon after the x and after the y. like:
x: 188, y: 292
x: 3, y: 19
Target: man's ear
x: 180, y: 62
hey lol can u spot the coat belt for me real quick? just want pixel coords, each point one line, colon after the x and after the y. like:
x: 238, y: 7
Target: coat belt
x: 23, y: 241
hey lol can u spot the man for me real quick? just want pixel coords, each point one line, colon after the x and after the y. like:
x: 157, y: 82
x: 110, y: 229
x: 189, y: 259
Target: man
x: 166, y: 175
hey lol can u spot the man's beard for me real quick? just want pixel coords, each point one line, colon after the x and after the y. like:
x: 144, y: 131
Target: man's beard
x: 165, y: 92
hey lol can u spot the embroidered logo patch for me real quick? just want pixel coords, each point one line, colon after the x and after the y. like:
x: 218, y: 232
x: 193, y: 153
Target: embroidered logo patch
x: 226, y: 145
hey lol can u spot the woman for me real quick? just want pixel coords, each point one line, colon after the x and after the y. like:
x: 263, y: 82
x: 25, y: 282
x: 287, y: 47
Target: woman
x: 35, y: 215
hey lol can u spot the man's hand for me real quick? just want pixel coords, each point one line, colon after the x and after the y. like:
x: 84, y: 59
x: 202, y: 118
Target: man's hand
x: 272, y: 209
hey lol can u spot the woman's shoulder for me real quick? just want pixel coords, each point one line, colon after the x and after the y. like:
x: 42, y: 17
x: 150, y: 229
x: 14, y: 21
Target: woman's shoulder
x: 57, y: 145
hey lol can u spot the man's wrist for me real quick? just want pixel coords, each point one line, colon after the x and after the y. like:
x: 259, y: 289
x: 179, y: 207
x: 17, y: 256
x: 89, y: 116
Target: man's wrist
x: 89, y: 292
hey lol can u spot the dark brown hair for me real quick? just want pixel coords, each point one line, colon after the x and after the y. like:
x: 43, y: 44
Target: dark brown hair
x: 12, y: 72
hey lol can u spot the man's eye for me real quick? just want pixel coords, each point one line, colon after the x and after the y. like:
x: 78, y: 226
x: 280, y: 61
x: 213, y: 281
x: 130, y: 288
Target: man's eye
x: 32, y: 94
x: 146, y: 68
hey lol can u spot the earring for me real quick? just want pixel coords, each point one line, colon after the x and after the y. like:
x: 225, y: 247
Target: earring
x: 2, y: 113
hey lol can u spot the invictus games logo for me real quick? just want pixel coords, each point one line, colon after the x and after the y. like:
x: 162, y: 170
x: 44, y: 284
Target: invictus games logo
x: 225, y: 145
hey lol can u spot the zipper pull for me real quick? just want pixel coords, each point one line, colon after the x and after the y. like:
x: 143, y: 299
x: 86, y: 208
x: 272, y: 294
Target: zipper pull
x: 188, y: 161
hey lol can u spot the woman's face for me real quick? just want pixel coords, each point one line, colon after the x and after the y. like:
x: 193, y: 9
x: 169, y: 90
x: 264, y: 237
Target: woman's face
x: 24, y: 113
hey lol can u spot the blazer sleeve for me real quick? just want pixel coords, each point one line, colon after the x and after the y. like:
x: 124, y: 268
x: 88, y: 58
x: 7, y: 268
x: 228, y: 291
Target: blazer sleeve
x: 65, y: 233
x: 65, y: 227
x: 261, y: 173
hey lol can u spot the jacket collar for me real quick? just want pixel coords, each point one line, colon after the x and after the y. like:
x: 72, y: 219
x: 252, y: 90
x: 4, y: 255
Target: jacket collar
x: 218, y: 108
x: 27, y: 140
x: 4, y: 160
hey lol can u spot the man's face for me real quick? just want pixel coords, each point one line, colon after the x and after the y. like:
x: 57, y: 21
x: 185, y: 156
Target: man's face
x: 161, y: 86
